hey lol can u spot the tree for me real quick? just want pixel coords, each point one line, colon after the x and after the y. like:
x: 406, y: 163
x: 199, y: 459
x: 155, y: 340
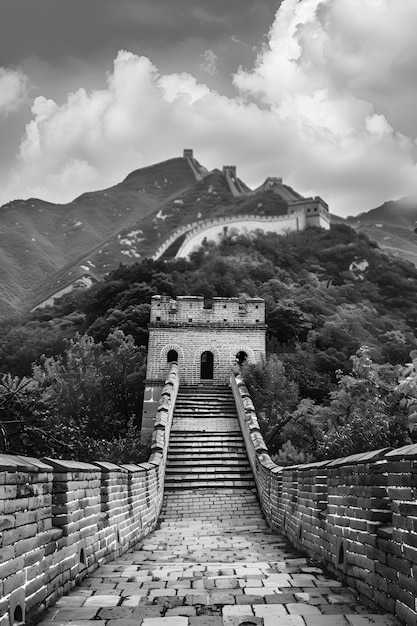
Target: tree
x: 274, y: 395
x: 364, y: 412
x: 83, y: 403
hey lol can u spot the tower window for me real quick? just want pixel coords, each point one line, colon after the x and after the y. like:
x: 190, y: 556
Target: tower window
x: 241, y: 357
x: 172, y: 356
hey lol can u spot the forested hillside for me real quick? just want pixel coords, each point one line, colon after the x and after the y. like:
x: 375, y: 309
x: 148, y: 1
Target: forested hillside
x: 341, y: 315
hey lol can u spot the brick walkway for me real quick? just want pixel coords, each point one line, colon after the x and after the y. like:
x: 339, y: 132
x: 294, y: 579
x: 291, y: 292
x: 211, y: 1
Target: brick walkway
x: 211, y: 562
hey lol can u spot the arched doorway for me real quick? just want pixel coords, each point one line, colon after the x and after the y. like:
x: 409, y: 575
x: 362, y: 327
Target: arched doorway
x: 207, y: 366
x: 172, y: 356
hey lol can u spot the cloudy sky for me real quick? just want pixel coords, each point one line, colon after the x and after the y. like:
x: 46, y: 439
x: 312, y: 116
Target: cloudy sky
x: 321, y: 92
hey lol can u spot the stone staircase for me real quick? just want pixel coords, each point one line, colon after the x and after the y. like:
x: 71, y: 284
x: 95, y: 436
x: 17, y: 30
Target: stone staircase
x: 206, y: 447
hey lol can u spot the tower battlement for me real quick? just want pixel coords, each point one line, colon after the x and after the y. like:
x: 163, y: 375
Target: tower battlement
x: 230, y: 169
x: 195, y: 310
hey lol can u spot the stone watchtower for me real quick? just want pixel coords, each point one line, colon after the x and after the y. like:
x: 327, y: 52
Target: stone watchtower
x: 204, y: 339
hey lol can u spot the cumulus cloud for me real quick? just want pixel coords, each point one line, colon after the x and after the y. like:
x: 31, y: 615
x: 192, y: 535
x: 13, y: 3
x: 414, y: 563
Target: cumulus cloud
x: 209, y: 63
x: 328, y: 72
x: 315, y: 109
x: 13, y: 90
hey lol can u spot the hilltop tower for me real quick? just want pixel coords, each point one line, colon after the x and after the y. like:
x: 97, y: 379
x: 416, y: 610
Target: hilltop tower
x: 205, y: 339
x: 315, y: 209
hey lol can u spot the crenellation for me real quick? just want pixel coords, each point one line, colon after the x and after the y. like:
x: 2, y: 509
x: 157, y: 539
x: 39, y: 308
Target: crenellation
x: 194, y: 309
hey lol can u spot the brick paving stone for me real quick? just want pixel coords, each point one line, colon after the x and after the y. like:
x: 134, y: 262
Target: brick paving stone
x: 206, y: 620
x: 261, y: 591
x: 285, y: 620
x: 115, y: 612
x: 131, y: 600
x: 119, y: 622
x: 71, y: 614
x: 219, y: 597
x: 270, y: 610
x: 102, y: 600
x: 187, y: 611
x: 147, y: 611
x: 325, y: 620
x: 302, y: 609
x: 310, y: 598
x: 337, y: 609
x: 376, y: 620
x: 165, y: 621
x: 164, y: 593
x: 280, y: 598
x: 244, y: 621
x: 72, y: 600
x: 250, y: 583
x: 244, y: 609
x: 250, y: 599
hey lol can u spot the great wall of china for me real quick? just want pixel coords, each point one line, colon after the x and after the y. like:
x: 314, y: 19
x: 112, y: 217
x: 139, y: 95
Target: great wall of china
x: 62, y: 521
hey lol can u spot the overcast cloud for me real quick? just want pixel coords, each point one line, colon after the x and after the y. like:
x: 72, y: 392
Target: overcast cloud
x: 328, y: 104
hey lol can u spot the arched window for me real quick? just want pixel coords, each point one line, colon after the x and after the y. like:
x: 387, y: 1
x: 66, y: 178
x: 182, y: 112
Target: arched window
x: 172, y: 356
x: 241, y: 357
x: 207, y: 366
x: 18, y: 615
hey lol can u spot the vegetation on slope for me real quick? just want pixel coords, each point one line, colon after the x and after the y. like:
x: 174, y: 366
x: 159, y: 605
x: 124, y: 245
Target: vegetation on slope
x: 341, y: 317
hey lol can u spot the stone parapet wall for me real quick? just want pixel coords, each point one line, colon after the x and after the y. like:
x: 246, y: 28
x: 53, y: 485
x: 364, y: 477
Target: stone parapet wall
x: 357, y: 515
x: 192, y: 310
x: 60, y: 520
x: 190, y: 342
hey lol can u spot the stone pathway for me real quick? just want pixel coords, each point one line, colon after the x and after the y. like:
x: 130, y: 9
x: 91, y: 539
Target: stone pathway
x: 211, y: 562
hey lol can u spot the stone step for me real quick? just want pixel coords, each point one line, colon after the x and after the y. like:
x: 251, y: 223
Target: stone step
x: 200, y: 437
x: 208, y: 452
x: 214, y: 437
x: 209, y: 399
x: 191, y: 461
x: 203, y: 414
x: 211, y: 469
x: 203, y: 408
x: 192, y: 444
x: 203, y: 459
x: 201, y: 394
x: 229, y: 482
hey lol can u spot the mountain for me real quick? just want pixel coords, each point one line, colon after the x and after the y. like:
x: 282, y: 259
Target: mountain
x: 42, y: 244
x: 392, y: 226
x: 46, y: 248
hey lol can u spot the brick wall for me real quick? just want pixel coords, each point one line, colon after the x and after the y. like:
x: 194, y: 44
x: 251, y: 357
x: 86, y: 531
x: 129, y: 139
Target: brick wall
x: 356, y: 515
x: 186, y: 326
x: 197, y: 231
x: 60, y: 520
